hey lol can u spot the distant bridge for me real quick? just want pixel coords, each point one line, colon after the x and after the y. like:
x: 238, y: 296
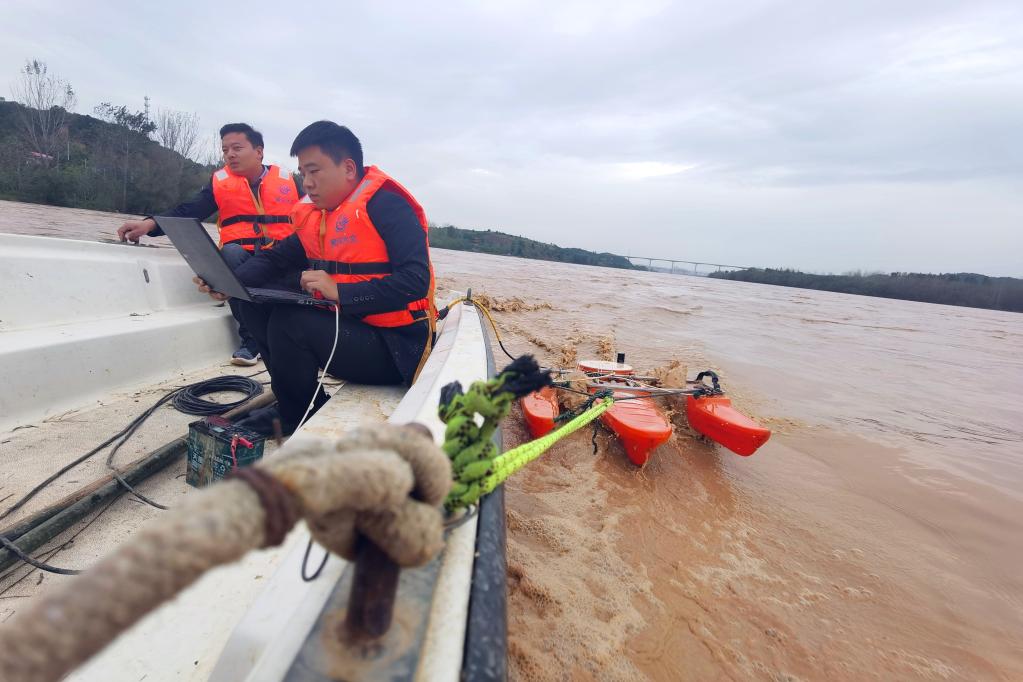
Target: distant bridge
x: 696, y: 264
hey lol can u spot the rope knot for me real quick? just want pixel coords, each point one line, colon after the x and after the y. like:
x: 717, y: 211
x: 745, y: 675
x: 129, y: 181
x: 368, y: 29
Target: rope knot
x: 380, y: 481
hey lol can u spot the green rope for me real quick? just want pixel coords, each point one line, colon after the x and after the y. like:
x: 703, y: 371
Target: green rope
x: 472, y: 417
x: 476, y: 478
x: 470, y: 444
x: 476, y: 467
x: 516, y: 458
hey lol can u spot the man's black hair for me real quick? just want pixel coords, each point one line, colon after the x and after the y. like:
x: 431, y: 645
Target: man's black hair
x: 251, y: 134
x: 337, y: 142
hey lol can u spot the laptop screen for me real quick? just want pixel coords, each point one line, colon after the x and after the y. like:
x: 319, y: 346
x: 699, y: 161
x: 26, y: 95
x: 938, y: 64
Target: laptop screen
x: 202, y: 255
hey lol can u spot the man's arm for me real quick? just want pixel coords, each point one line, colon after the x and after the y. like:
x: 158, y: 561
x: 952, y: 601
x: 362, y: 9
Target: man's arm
x: 201, y: 206
x: 408, y: 252
x: 286, y: 256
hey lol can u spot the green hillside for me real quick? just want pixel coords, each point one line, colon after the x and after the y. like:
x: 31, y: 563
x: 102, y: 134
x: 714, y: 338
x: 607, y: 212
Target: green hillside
x: 501, y: 244
x: 97, y: 165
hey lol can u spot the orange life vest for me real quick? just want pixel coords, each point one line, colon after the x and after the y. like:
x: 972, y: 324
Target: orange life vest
x: 251, y: 220
x: 345, y: 243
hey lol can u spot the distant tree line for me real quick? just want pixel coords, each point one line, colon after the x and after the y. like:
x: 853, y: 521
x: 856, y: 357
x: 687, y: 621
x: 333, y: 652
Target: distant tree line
x: 51, y: 155
x: 110, y: 162
x: 962, y: 288
x: 501, y: 244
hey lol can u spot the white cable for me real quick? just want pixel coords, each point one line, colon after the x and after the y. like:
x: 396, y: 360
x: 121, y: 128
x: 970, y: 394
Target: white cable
x: 319, y: 384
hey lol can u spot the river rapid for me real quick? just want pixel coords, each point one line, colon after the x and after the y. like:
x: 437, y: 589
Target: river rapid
x: 878, y: 535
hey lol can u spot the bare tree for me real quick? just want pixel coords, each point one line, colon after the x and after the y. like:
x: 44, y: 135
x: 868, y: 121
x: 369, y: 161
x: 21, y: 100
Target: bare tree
x: 213, y: 155
x: 178, y: 131
x: 46, y: 99
x: 121, y: 116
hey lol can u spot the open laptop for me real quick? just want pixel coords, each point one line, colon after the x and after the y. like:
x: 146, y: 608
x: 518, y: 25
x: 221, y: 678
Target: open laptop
x: 199, y: 251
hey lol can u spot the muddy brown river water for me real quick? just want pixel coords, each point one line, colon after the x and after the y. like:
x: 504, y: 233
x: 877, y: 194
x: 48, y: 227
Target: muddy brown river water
x: 878, y: 535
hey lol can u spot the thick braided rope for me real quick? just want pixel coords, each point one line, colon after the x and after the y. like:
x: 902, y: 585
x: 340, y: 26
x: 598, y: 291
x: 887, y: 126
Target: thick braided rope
x: 384, y: 482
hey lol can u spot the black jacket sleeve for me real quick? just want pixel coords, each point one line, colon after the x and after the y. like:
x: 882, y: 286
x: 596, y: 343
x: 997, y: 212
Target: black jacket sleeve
x: 200, y: 207
x: 408, y: 252
x: 287, y: 255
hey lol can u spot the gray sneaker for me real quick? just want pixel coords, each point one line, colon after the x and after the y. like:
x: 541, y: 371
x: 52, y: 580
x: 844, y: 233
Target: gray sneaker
x: 244, y: 357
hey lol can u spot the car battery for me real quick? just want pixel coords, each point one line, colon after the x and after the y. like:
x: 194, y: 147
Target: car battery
x: 216, y: 448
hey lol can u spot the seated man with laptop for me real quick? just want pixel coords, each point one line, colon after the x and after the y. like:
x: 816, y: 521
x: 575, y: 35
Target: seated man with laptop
x: 370, y: 314
x: 252, y: 201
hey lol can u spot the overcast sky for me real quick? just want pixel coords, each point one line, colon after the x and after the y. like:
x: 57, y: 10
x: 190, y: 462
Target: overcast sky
x: 827, y: 136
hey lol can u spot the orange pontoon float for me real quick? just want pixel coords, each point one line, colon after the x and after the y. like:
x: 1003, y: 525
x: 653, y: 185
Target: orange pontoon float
x: 638, y: 420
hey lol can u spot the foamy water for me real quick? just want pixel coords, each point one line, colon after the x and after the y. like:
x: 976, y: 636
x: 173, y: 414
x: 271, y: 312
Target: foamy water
x: 877, y: 535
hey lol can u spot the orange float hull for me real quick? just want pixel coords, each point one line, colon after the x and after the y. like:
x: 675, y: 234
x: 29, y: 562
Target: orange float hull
x: 715, y: 418
x: 639, y: 423
x: 539, y: 409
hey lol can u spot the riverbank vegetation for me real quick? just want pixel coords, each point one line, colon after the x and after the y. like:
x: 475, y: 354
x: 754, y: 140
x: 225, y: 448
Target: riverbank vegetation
x: 961, y: 288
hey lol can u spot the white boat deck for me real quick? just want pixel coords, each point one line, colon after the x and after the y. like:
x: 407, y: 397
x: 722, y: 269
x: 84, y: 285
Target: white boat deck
x: 248, y: 621
x: 80, y: 320
x: 83, y: 354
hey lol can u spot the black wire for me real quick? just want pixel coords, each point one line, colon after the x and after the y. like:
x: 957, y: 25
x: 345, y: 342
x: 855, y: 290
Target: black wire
x: 135, y: 493
x: 16, y: 551
x: 452, y: 524
x: 501, y: 344
x: 494, y: 325
x: 235, y: 383
x: 126, y: 433
x: 305, y: 560
x: 186, y: 399
x: 189, y: 400
x: 47, y: 567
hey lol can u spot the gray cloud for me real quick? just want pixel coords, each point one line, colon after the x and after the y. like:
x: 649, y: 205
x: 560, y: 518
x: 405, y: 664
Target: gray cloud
x: 827, y: 136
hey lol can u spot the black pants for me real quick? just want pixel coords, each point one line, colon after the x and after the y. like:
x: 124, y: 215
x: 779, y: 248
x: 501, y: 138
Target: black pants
x: 234, y: 255
x: 296, y: 341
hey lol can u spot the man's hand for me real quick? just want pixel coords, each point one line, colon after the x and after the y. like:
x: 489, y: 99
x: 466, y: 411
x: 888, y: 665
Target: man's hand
x: 135, y: 229
x: 205, y: 288
x: 319, y: 281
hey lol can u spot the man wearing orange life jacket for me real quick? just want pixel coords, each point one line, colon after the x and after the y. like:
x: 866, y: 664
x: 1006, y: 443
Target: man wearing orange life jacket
x: 253, y: 202
x: 364, y: 239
